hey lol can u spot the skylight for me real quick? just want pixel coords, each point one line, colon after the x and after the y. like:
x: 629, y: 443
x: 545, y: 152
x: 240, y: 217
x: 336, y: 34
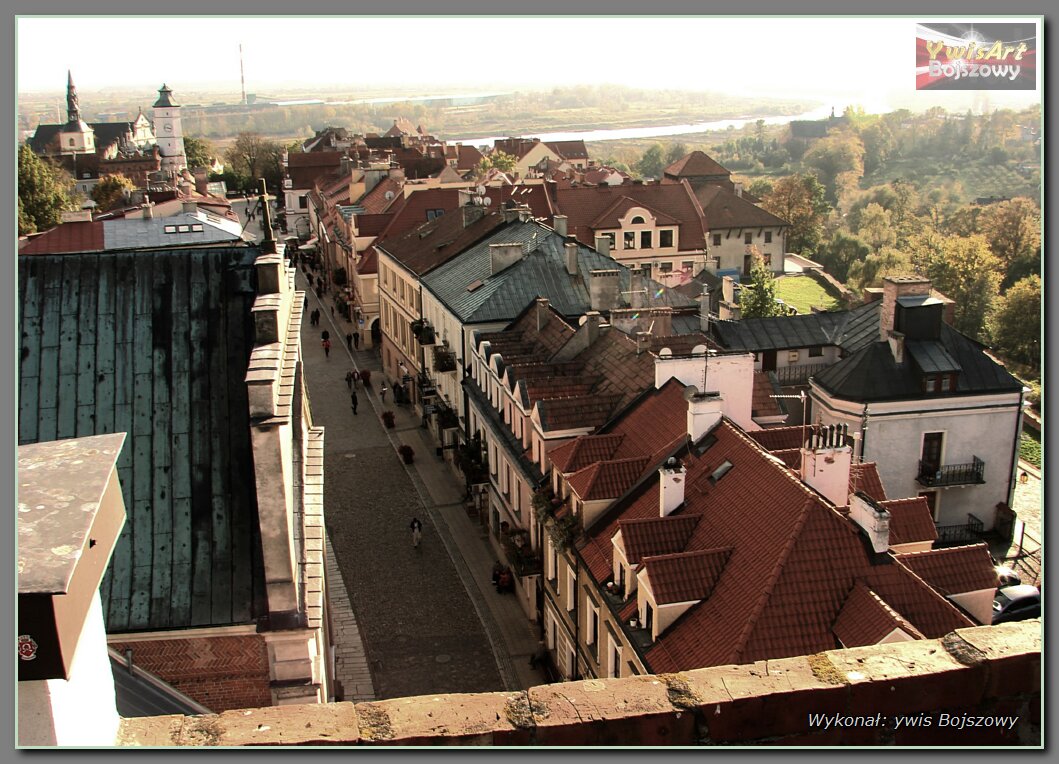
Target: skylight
x: 720, y: 472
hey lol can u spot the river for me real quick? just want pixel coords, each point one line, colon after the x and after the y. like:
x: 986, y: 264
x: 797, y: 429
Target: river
x: 657, y: 131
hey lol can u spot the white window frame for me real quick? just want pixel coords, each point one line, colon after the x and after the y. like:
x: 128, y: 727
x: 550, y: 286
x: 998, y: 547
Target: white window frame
x: 591, y: 611
x: 613, y: 658
x: 571, y: 589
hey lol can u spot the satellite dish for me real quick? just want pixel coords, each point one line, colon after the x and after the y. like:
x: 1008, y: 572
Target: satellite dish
x: 388, y: 195
x: 665, y: 353
x: 487, y: 201
x: 698, y: 350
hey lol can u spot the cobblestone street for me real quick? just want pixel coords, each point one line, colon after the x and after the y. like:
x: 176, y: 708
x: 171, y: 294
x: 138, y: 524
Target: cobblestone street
x: 422, y: 632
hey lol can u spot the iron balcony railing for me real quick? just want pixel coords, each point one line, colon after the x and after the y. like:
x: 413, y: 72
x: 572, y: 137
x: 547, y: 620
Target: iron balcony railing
x: 958, y: 535
x: 935, y: 476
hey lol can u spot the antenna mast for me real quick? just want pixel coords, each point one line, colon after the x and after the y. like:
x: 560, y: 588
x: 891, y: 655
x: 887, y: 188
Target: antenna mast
x: 242, y: 79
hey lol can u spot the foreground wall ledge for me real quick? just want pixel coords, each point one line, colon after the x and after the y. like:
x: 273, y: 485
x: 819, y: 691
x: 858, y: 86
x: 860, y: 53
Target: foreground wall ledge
x: 988, y: 671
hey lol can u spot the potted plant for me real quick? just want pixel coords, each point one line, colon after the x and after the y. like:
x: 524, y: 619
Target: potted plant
x: 365, y: 377
x: 388, y: 420
x: 407, y: 453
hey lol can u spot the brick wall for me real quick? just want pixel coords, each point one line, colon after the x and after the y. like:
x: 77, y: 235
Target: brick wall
x: 987, y: 671
x: 221, y: 673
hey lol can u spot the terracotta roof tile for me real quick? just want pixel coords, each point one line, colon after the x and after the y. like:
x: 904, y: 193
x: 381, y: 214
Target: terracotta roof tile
x: 581, y: 452
x: 723, y: 209
x: 866, y: 620
x: 780, y: 438
x: 696, y: 164
x: 910, y: 521
x: 655, y: 536
x: 576, y: 413
x: 607, y: 480
x: 955, y: 570
x: 375, y: 202
x: 792, y: 457
x: 685, y: 576
x: 763, y: 404
x: 864, y: 476
x: 82, y: 236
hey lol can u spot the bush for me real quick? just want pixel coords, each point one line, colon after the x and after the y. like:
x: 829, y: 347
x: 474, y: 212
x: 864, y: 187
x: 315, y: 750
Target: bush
x: 407, y: 453
x: 388, y: 419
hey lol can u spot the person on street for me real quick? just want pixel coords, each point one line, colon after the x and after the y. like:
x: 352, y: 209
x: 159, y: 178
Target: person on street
x: 349, y: 379
x: 356, y: 378
x: 540, y: 656
x: 356, y: 339
x: 327, y: 348
x: 382, y: 394
x: 417, y: 531
x: 497, y: 570
x: 325, y: 335
x: 353, y: 401
x: 349, y: 342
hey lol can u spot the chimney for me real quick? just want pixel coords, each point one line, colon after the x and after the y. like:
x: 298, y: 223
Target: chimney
x: 738, y: 189
x: 826, y: 463
x: 660, y: 321
x: 604, y: 289
x: 560, y: 223
x: 704, y: 310
x: 78, y: 216
x: 471, y: 214
x: 148, y: 209
x: 873, y: 520
x: 895, y: 287
x: 603, y: 245
x: 190, y: 207
x: 704, y: 411
x: 643, y: 341
x: 637, y: 288
x: 592, y: 322
x: 502, y: 256
x: 570, y: 250
x: 510, y: 214
x: 543, y: 314
x: 897, y: 346
x: 670, y: 486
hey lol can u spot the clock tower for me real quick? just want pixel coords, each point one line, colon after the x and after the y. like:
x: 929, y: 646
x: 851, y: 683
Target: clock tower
x: 168, y: 132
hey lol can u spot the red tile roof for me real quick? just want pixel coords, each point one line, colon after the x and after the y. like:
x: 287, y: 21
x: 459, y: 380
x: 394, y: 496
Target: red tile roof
x: 654, y: 536
x: 375, y: 202
x: 607, y: 480
x: 792, y: 457
x: 305, y: 167
x: 612, y: 215
x: 582, y: 205
x: 369, y: 262
x: 569, y: 149
x: 780, y: 438
x: 723, y: 209
x: 589, y: 411
x: 685, y: 576
x: 581, y: 452
x: 695, y: 164
x: 866, y: 620
x: 955, y: 570
x: 763, y: 404
x: 864, y: 476
x: 428, y: 246
x: 910, y: 521
x: 82, y: 236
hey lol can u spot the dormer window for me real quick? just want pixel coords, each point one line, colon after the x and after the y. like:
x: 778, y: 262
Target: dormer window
x: 638, y: 220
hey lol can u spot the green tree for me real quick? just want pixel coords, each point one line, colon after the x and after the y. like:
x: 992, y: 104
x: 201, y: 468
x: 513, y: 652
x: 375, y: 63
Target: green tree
x: 757, y: 299
x: 761, y: 187
x: 1013, y: 229
x: 838, y: 160
x: 499, y: 160
x: 839, y: 254
x: 251, y: 157
x: 652, y: 162
x: 109, y: 192
x: 871, y: 270
x: 199, y: 152
x: 1015, y: 325
x: 44, y: 192
x: 963, y: 268
x: 799, y: 199
x: 675, y: 151
x: 876, y: 227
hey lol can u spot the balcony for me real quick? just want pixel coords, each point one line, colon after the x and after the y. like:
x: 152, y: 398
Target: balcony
x: 933, y: 476
x: 523, y: 560
x: 960, y: 535
x: 444, y: 359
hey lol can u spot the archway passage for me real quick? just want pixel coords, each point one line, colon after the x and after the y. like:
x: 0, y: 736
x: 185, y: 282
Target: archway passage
x: 376, y: 333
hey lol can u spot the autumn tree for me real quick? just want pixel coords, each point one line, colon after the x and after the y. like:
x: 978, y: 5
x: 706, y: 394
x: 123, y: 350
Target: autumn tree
x: 799, y: 199
x: 1015, y: 324
x: 198, y: 151
x: 109, y: 192
x: 876, y: 227
x: 251, y: 157
x: 653, y: 162
x: 963, y: 268
x: 757, y: 299
x: 44, y: 192
x: 838, y: 160
x: 499, y: 160
x: 871, y: 270
x: 1013, y: 230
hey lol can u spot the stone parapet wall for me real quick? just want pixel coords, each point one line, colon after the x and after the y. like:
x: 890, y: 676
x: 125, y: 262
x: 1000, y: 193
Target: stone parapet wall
x: 971, y: 673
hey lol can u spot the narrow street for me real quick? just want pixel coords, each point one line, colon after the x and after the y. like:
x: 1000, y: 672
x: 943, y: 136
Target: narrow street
x: 428, y: 618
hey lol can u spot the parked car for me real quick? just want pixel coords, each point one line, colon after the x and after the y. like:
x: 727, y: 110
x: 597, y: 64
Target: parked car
x: 1016, y: 603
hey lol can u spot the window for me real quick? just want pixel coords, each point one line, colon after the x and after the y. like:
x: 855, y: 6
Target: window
x: 71, y: 141
x: 665, y: 238
x: 638, y: 220
x: 571, y: 589
x: 946, y: 383
x: 645, y: 240
x: 170, y: 229
x: 431, y: 214
x: 610, y: 238
x: 646, y: 268
x: 183, y: 228
x: 303, y: 202
x: 932, y: 502
x: 748, y: 238
x: 591, y: 622
x: 930, y: 384
x: 629, y: 240
x: 648, y: 616
x: 816, y: 352
x: 614, y: 658
x: 716, y: 240
x: 768, y: 237
x: 197, y: 227
x: 665, y: 267
x: 553, y: 561
x: 688, y: 265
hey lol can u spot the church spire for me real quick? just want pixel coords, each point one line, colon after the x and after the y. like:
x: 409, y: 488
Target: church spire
x: 73, y: 109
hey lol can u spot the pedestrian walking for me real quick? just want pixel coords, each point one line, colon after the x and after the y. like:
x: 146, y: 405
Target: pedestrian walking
x: 327, y: 348
x: 306, y: 304
x: 349, y: 379
x: 417, y: 531
x: 332, y: 311
x: 349, y: 342
x: 356, y: 339
x: 382, y: 394
x: 353, y: 401
x: 540, y: 657
x: 356, y: 378
x: 325, y: 335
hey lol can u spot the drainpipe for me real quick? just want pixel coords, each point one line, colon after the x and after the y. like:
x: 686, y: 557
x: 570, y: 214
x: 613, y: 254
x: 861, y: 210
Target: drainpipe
x: 1015, y: 450
x: 863, y: 431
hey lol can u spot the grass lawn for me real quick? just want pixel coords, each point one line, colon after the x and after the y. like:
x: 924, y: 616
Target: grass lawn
x: 803, y: 292
x: 1030, y: 450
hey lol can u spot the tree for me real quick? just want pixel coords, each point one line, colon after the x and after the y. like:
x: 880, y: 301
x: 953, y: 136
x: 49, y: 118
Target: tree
x: 44, y: 192
x: 110, y: 191
x: 199, y: 152
x: 1013, y: 229
x: 838, y: 158
x: 876, y: 228
x: 676, y: 151
x: 1015, y: 325
x: 841, y: 252
x: 871, y: 270
x: 799, y: 199
x: 963, y: 268
x: 499, y: 160
x: 761, y: 187
x: 653, y: 162
x: 757, y: 299
x: 252, y: 157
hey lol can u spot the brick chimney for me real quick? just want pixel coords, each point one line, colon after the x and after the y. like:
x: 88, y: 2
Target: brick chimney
x: 670, y: 486
x: 826, y: 462
x: 604, y: 288
x: 471, y: 213
x: 704, y: 411
x: 504, y: 255
x: 560, y: 224
x: 872, y: 519
x: 893, y: 288
x: 570, y: 251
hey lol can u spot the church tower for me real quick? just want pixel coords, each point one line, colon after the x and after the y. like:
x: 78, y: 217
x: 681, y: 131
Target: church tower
x: 76, y: 137
x: 168, y: 132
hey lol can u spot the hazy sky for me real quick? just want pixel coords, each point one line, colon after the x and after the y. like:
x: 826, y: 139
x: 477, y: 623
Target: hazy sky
x: 868, y: 60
